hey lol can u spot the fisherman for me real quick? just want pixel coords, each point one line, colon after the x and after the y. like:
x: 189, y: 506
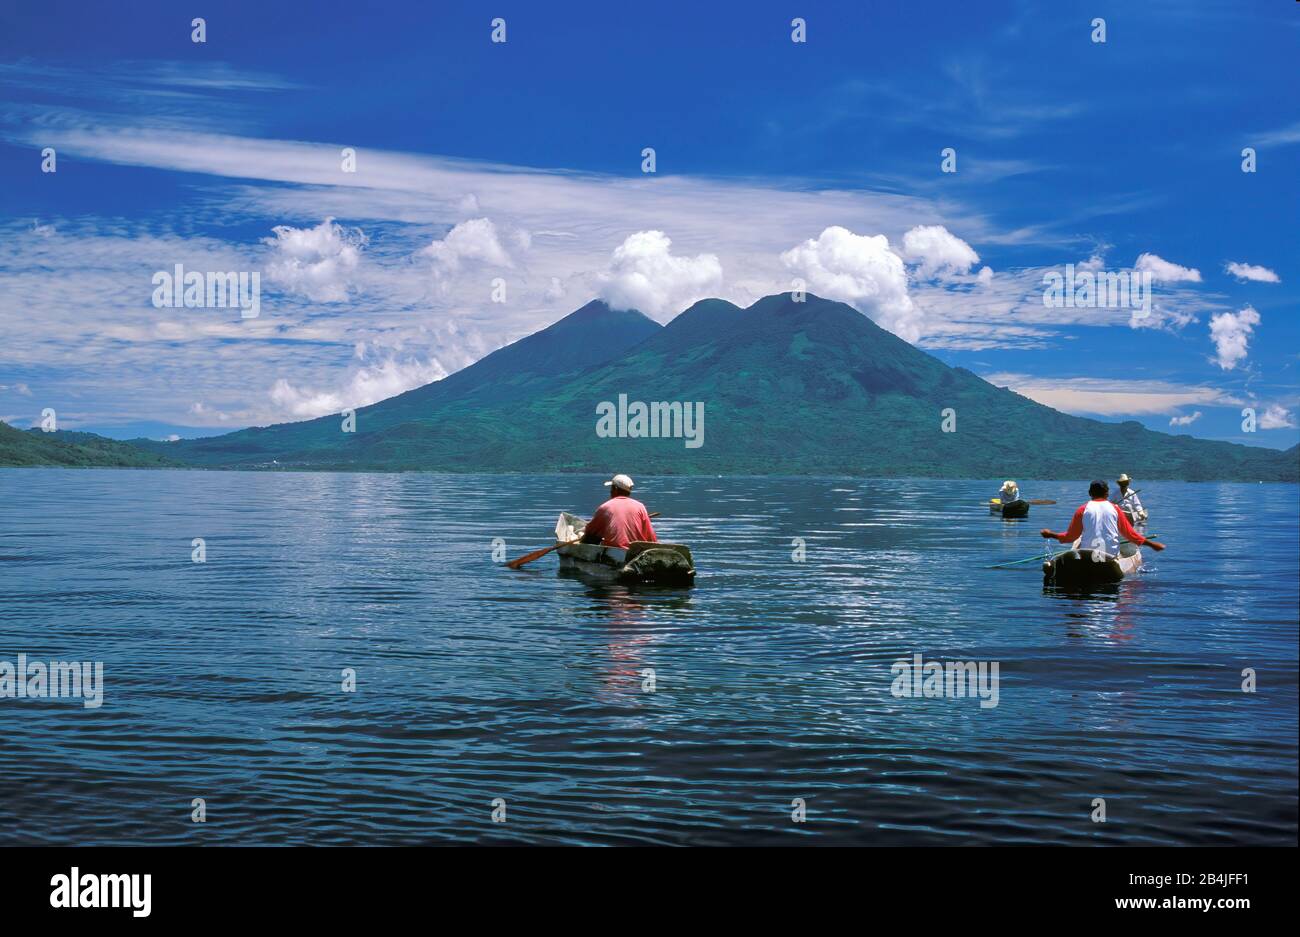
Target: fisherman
x: 1010, y: 492
x: 1129, y: 502
x: 1099, y: 525
x: 620, y: 520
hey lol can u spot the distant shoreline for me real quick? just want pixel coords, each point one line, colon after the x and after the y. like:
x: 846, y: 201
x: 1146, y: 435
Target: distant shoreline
x: 315, y: 470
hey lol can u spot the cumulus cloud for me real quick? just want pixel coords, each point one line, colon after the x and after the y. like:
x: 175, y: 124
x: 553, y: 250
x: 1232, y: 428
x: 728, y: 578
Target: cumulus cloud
x: 475, y: 240
x: 1186, y: 420
x: 862, y: 271
x: 1231, y: 332
x: 1163, y: 271
x: 316, y: 262
x: 1251, y: 272
x: 1276, y: 417
x: 366, y: 385
x: 644, y: 275
x: 937, y: 252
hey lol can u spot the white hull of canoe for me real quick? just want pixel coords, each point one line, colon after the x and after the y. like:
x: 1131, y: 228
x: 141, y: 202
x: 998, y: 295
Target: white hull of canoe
x: 1083, y: 574
x: 1129, y: 559
x: 592, y: 558
x: 587, y: 557
x: 1130, y: 564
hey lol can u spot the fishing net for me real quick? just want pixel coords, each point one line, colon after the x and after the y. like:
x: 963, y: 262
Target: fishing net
x: 667, y: 566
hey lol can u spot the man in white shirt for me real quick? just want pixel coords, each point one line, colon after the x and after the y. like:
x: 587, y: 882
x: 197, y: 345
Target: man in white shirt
x: 1129, y: 502
x: 1098, y: 525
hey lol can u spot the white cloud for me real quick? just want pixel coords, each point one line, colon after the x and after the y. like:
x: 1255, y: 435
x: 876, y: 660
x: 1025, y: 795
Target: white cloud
x: 1163, y: 271
x: 1231, y: 332
x: 644, y: 275
x: 862, y: 271
x: 367, y: 385
x: 473, y: 240
x: 207, y: 415
x: 1007, y: 311
x: 1252, y: 272
x: 1101, y: 397
x: 315, y: 262
x: 1185, y: 420
x: 1282, y: 136
x: 1276, y: 417
x: 985, y: 276
x: 19, y: 388
x: 937, y: 252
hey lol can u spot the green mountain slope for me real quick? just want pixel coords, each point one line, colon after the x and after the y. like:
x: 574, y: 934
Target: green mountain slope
x: 811, y: 387
x: 519, y: 371
x: 72, y: 449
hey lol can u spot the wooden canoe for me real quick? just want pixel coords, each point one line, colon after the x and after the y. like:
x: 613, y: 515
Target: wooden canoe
x: 1011, y: 509
x: 666, y: 564
x: 1079, y: 570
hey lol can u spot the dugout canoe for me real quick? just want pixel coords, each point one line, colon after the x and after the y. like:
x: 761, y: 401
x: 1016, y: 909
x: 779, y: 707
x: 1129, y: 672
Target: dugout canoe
x: 1011, y: 509
x: 662, y: 564
x: 1080, y: 570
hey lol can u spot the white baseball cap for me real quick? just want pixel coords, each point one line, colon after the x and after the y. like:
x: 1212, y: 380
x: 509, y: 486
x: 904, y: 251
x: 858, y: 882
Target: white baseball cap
x: 620, y: 481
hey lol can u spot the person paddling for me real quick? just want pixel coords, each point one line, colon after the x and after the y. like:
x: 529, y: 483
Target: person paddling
x: 621, y: 519
x: 1009, y: 493
x: 1129, y: 502
x: 1099, y: 525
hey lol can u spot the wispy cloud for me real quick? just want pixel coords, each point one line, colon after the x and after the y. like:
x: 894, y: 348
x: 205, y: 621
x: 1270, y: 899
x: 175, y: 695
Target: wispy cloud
x: 1103, y: 397
x: 1252, y: 272
x: 1280, y: 136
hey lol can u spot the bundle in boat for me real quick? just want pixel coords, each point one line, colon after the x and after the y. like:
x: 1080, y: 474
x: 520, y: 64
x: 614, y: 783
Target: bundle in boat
x: 664, y: 564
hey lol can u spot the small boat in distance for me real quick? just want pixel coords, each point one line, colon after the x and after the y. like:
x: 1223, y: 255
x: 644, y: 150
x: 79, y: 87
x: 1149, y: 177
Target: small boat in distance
x: 1011, y: 509
x: 663, y: 564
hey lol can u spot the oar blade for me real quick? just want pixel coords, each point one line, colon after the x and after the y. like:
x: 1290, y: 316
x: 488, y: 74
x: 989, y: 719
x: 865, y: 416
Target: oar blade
x: 529, y: 557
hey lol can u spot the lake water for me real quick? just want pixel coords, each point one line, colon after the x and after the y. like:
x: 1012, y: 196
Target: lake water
x: 772, y: 678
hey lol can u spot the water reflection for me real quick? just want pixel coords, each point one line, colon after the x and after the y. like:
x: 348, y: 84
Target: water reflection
x: 1108, y: 612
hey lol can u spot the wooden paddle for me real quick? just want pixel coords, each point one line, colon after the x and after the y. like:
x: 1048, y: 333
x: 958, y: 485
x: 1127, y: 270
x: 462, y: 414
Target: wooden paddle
x: 538, y: 554
x: 1042, y: 501
x: 1029, y: 559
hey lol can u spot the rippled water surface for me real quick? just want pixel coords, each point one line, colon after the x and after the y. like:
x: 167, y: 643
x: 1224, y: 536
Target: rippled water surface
x: 772, y: 678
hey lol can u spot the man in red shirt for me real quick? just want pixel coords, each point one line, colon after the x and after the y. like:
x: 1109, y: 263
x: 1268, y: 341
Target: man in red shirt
x: 1099, y: 525
x: 621, y: 519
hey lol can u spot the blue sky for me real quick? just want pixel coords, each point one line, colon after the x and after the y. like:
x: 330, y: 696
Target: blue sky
x: 520, y: 162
